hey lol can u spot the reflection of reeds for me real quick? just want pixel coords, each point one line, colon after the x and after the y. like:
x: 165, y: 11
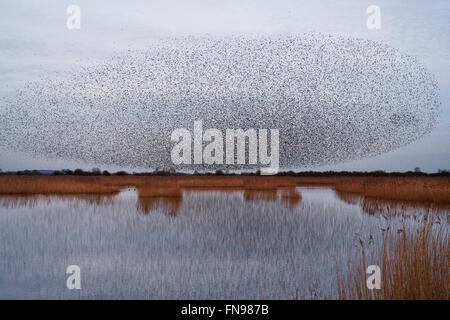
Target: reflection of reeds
x: 348, y: 197
x: 151, y: 198
x: 290, y: 197
x: 415, y: 189
x: 170, y: 204
x: 376, y: 206
x: 31, y: 200
x: 413, y: 263
x: 253, y: 194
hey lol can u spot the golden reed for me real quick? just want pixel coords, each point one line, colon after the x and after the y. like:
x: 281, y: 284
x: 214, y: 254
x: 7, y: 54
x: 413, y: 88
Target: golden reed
x: 433, y: 189
x: 414, y: 265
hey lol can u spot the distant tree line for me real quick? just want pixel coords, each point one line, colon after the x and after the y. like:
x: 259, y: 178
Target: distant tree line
x: 97, y: 172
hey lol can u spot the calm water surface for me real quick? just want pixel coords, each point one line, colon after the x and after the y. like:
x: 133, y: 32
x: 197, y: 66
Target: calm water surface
x: 207, y: 244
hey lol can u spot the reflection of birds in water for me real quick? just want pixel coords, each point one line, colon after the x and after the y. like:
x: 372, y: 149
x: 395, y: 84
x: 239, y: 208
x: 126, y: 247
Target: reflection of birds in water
x: 332, y: 99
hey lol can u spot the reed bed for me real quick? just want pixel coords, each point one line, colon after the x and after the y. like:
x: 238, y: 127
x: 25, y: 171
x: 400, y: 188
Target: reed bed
x: 55, y: 185
x: 388, y: 207
x: 436, y: 189
x: 428, y: 189
x: 413, y: 261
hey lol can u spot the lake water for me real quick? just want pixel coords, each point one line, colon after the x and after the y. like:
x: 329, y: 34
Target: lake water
x: 207, y: 244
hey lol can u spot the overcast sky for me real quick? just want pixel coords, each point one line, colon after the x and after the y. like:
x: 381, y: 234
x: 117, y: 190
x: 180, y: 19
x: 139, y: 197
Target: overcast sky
x: 34, y: 40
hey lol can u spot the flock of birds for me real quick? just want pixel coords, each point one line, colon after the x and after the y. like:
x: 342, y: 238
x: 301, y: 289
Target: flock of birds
x: 333, y: 99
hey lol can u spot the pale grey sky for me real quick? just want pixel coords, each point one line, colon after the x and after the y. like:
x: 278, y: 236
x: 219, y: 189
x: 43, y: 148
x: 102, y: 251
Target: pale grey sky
x: 34, y: 40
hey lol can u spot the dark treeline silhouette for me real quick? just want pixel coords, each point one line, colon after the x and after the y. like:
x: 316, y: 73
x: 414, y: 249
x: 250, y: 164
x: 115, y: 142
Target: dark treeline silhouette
x: 98, y: 172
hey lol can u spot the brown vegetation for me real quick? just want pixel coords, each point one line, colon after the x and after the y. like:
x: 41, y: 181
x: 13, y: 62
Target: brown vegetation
x: 389, y: 207
x: 431, y: 189
x: 55, y: 185
x: 414, y: 265
x: 31, y: 200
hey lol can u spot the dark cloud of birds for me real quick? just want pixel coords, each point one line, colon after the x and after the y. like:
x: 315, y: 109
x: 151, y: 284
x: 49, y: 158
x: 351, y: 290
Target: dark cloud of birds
x: 333, y: 99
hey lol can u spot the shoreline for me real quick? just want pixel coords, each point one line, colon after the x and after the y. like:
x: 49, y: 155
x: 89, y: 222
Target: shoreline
x: 426, y: 188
